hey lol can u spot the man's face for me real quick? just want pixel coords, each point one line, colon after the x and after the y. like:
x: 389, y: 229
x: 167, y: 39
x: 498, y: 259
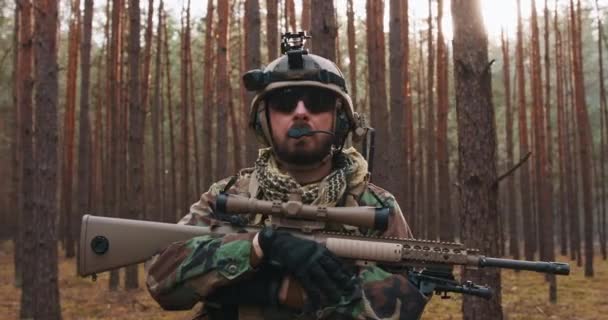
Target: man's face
x: 301, y: 107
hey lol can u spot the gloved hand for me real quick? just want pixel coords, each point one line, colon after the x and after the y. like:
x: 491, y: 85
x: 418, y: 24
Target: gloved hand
x: 318, y: 271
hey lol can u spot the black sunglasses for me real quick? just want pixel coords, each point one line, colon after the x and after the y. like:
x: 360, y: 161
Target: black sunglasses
x: 317, y: 100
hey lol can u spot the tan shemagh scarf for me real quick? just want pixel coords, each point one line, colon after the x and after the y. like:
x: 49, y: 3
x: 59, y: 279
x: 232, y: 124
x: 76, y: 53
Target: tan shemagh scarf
x: 350, y: 170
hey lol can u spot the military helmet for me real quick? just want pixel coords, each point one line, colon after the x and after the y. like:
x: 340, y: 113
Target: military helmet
x: 297, y: 67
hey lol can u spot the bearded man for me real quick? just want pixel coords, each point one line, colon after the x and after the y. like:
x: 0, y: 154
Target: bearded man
x: 302, y: 115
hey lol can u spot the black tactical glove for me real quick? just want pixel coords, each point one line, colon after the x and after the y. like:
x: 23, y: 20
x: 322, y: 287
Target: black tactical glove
x: 318, y: 271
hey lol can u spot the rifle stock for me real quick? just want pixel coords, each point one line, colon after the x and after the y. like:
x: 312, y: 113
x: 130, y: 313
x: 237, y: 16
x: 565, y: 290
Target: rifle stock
x: 110, y: 243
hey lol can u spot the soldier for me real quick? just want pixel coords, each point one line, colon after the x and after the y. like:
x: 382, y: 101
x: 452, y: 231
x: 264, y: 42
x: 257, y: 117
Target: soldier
x: 302, y: 115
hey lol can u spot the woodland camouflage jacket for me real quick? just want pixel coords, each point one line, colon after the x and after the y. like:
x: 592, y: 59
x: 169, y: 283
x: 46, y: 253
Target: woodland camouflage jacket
x: 186, y: 273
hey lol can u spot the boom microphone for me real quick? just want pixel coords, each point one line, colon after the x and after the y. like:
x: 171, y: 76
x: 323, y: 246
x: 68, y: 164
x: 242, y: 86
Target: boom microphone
x: 304, y: 131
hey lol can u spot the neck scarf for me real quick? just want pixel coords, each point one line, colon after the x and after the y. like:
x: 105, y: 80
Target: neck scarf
x: 349, y: 170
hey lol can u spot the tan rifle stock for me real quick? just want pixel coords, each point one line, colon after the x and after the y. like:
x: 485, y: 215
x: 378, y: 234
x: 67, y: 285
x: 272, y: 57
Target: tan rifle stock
x: 109, y: 243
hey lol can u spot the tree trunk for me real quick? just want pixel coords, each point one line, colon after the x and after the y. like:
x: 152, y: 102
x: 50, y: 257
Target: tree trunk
x: 156, y: 115
x: 26, y: 229
x: 524, y: 171
x: 408, y: 122
x: 113, y: 123
x: 446, y: 222
x: 152, y: 206
x: 237, y: 130
x: 15, y: 197
x: 396, y: 99
x: 158, y: 205
x: 98, y: 163
x: 510, y: 207
x: 136, y: 133
x: 253, y: 60
x: 324, y: 29
x: 45, y: 286
x: 603, y: 107
x: 222, y: 88
x: 68, y: 131
x: 377, y: 85
x: 209, y: 102
x: 538, y: 130
x: 418, y: 208
x: 477, y: 151
x: 584, y: 135
x: 431, y: 164
x: 85, y: 171
x: 176, y: 210
x: 290, y: 15
x: 272, y: 28
x: 549, y: 235
x: 352, y: 52
x: 562, y: 193
x: 306, y: 15
x: 184, y: 153
x: 572, y: 165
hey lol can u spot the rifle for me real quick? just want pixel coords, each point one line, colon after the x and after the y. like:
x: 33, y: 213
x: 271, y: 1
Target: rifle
x: 110, y: 243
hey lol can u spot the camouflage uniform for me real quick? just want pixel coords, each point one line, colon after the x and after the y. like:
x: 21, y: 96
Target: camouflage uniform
x: 188, y: 272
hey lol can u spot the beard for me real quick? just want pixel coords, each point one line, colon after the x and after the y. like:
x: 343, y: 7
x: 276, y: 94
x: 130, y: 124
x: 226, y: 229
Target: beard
x: 304, y: 157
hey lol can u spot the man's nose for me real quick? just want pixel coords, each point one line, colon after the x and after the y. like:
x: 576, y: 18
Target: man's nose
x: 300, y: 110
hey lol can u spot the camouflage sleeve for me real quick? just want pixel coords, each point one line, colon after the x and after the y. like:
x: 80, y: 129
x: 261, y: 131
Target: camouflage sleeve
x: 383, y: 294
x: 186, y: 272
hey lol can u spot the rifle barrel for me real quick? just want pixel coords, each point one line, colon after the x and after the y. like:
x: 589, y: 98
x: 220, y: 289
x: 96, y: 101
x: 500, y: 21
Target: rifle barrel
x: 539, y: 266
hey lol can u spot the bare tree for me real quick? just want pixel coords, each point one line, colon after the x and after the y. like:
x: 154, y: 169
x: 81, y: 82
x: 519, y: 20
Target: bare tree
x: 113, y: 124
x: 324, y: 29
x: 352, y: 53
x: 151, y: 207
x: 562, y: 208
x: 543, y: 177
x: 408, y: 122
x: 431, y: 160
x: 603, y: 107
x: 396, y: 98
x: 156, y: 117
x: 222, y: 88
x: 584, y: 134
x: 290, y: 15
x: 477, y: 150
x: 209, y: 102
x: 253, y: 60
x: 176, y: 209
x: 136, y: 133
x: 15, y: 197
x: 420, y: 220
x: 184, y: 105
x: 46, y: 287
x: 571, y: 164
x: 446, y: 222
x: 26, y: 226
x: 377, y: 84
x: 510, y: 207
x: 306, y: 15
x: 524, y: 172
x: 68, y: 130
x: 85, y: 172
x: 272, y: 28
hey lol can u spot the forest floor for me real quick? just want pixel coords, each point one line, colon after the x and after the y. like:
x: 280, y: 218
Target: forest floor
x: 525, y: 296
